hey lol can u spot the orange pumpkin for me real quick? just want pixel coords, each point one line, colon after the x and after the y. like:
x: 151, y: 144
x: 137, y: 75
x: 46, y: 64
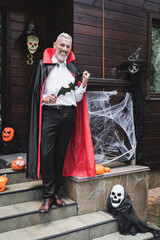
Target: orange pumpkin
x: 99, y: 169
x: 18, y: 164
x: 107, y: 169
x: 7, y: 134
x: 3, y: 181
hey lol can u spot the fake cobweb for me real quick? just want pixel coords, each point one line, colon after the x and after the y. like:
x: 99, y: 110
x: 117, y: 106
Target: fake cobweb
x: 112, y: 127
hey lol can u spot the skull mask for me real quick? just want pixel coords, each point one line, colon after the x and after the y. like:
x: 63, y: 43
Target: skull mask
x: 133, y: 68
x: 117, y: 195
x: 32, y: 43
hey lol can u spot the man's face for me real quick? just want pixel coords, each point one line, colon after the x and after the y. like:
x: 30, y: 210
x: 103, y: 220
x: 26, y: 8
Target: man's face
x: 63, y: 47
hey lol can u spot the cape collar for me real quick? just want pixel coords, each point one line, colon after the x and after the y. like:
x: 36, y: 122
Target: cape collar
x: 49, y: 52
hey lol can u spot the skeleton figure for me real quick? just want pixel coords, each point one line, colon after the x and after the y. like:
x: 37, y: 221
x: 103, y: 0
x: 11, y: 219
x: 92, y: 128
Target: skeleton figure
x: 117, y: 195
x: 32, y: 43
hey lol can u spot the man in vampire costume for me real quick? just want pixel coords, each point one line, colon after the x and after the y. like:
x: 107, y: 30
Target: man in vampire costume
x: 56, y: 88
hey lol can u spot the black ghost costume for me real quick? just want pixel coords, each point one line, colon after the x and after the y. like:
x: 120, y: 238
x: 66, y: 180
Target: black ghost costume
x: 128, y: 221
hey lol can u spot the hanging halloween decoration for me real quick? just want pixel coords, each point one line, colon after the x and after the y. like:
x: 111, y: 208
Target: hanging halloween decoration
x: 134, y: 68
x: 18, y: 164
x: 32, y: 42
x: 120, y: 206
x: 137, y: 71
x: 8, y: 134
x: 9, y: 141
x: 3, y: 181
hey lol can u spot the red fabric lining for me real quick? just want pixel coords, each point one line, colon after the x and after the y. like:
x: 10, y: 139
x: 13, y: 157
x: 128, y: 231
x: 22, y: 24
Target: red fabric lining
x: 49, y: 52
x: 80, y: 160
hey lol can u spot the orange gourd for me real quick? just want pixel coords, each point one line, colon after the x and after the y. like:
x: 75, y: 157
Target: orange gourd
x: 99, y: 169
x: 3, y: 181
x: 107, y: 169
x: 18, y: 164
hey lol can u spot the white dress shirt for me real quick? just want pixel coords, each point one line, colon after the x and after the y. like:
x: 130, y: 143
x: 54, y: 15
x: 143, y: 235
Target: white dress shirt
x: 59, y: 77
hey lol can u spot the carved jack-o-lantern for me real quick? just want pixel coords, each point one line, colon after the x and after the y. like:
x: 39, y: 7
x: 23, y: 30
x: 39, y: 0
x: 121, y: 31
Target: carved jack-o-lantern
x: 8, y: 134
x: 3, y: 181
x: 18, y: 164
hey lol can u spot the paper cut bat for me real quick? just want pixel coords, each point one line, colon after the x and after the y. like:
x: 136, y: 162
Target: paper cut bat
x: 63, y: 90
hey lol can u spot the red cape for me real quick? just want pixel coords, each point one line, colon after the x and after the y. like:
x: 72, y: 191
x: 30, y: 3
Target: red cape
x: 80, y: 160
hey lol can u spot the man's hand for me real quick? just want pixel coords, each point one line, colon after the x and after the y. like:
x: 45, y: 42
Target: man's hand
x: 50, y: 99
x: 85, y: 77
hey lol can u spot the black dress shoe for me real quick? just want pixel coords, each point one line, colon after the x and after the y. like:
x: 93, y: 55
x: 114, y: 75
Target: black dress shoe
x: 57, y: 201
x: 46, y: 205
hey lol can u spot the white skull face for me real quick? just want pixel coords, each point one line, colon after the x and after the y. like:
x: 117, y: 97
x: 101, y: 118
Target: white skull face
x: 117, y: 195
x: 133, y: 68
x: 32, y: 43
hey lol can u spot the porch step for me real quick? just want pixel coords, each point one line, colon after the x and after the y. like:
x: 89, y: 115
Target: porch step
x: 21, y: 192
x: 118, y: 236
x: 26, y: 214
x: 14, y: 176
x: 87, y: 226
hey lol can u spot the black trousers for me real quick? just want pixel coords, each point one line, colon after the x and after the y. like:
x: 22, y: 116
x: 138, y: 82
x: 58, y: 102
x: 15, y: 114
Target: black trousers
x: 57, y: 125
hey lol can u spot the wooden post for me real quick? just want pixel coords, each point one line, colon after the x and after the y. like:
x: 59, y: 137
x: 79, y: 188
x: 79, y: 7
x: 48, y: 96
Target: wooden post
x: 103, y: 55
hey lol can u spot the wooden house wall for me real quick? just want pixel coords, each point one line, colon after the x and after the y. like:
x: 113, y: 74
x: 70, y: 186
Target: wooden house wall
x: 59, y: 19
x: 126, y: 27
x: 17, y: 74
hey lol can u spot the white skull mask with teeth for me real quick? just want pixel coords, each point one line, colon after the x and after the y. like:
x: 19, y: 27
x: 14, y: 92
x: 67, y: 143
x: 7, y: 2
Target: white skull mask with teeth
x: 117, y: 195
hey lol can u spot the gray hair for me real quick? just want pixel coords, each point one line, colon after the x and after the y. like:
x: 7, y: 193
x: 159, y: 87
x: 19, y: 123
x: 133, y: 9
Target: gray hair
x: 65, y: 35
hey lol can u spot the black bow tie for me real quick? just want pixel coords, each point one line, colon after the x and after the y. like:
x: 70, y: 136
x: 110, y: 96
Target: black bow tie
x: 56, y: 64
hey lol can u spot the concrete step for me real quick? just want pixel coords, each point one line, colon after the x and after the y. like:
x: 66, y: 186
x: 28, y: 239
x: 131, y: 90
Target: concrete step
x: 21, y: 192
x: 118, y: 236
x: 87, y: 226
x: 26, y: 214
x: 14, y: 176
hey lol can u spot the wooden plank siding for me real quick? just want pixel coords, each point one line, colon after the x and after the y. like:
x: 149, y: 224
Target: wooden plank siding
x: 126, y: 27
x: 19, y: 72
x: 152, y: 135
x: 48, y: 23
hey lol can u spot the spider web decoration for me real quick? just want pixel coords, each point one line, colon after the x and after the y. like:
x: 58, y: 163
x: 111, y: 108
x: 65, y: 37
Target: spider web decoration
x: 112, y: 127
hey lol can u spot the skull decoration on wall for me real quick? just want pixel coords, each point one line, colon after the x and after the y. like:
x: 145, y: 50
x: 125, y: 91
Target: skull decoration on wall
x: 133, y: 68
x: 117, y: 195
x: 32, y: 43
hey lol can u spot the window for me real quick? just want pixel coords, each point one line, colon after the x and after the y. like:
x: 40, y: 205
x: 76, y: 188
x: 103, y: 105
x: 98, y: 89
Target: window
x: 154, y: 57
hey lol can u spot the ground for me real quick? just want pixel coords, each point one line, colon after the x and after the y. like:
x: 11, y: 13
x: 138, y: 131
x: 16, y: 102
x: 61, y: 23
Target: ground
x: 154, y: 206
